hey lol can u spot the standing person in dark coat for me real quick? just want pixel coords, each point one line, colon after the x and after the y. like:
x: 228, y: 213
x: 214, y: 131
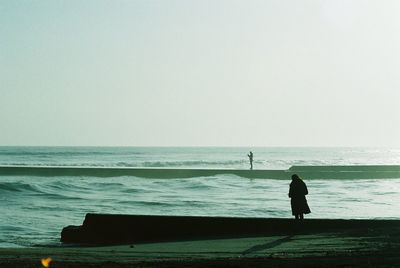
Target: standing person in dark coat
x: 297, y: 193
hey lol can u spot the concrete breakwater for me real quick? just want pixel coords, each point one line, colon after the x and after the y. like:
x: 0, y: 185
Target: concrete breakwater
x: 103, y: 229
x: 307, y: 172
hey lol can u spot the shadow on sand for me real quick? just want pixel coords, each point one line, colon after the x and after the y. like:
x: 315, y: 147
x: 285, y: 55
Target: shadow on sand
x: 268, y: 245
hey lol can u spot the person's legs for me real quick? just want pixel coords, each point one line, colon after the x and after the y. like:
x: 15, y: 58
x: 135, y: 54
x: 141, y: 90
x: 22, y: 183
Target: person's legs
x: 296, y: 216
x: 301, y: 216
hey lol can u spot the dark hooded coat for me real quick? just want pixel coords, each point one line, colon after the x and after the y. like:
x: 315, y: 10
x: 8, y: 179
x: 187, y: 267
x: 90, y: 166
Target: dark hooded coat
x: 297, y: 193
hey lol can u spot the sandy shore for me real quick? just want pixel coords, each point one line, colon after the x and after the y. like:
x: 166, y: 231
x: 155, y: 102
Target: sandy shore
x: 363, y: 247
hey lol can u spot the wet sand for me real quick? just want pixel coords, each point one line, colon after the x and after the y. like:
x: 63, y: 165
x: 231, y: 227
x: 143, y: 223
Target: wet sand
x: 353, y: 247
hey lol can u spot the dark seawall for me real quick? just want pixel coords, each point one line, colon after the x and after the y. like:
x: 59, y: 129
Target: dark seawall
x: 107, y: 229
x: 162, y: 173
x: 307, y: 172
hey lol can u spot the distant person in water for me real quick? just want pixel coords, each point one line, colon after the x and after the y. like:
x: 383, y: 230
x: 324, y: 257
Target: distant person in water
x: 297, y: 193
x: 250, y: 155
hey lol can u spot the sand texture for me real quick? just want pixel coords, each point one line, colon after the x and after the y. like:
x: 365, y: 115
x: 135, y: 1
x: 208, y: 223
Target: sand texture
x: 361, y: 247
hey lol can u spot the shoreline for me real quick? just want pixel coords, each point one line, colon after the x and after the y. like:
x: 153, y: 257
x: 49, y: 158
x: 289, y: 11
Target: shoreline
x: 376, y: 246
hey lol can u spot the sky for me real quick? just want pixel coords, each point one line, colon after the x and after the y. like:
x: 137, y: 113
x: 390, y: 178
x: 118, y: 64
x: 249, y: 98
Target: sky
x: 200, y: 73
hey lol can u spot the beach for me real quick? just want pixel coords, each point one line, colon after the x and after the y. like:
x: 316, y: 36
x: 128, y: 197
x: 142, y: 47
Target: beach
x: 199, y: 133
x: 45, y: 189
x: 345, y: 247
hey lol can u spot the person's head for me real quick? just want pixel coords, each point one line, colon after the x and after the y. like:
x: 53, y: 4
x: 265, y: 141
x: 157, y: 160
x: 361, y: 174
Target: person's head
x: 295, y: 177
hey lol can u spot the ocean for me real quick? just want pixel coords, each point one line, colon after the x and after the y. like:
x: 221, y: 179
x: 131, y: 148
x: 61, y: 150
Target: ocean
x: 34, y: 208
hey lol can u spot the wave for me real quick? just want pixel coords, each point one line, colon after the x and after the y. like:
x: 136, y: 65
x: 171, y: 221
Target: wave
x: 48, y: 154
x: 143, y: 203
x: 55, y: 164
x: 52, y: 191
x: 188, y: 163
x: 144, y: 164
x: 17, y: 187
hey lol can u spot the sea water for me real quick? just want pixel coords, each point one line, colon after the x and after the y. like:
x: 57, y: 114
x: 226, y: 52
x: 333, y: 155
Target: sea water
x: 34, y: 209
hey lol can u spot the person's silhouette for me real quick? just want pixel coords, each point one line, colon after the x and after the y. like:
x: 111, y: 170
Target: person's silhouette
x: 250, y: 155
x: 297, y: 193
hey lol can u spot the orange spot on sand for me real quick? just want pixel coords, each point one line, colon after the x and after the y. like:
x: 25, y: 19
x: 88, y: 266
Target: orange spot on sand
x: 46, y: 262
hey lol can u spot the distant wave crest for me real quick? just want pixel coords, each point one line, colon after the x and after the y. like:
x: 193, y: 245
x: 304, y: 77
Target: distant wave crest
x: 191, y: 163
x: 150, y: 164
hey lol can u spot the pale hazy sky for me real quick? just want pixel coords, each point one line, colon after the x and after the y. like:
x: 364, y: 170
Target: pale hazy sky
x: 218, y: 73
